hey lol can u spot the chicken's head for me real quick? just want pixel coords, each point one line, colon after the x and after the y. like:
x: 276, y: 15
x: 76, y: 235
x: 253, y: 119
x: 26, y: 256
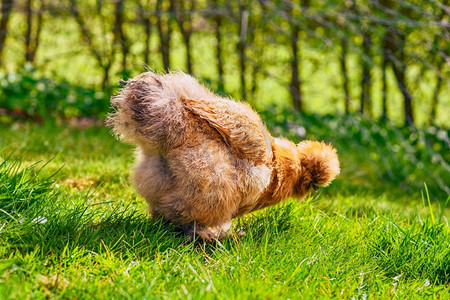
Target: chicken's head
x: 319, y: 165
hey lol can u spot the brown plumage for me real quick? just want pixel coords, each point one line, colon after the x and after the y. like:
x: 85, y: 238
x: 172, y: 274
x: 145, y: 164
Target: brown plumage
x: 204, y: 160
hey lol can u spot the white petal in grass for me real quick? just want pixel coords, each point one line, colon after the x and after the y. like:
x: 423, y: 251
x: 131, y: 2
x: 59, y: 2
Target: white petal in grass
x: 363, y: 296
x: 396, y: 278
x: 39, y: 220
x: 210, y: 286
x: 425, y: 284
x: 131, y: 265
x: 300, y: 131
x: 185, y: 291
x: 395, y: 284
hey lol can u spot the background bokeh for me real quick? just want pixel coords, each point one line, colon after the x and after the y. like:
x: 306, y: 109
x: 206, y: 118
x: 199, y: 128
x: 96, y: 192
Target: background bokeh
x: 382, y: 58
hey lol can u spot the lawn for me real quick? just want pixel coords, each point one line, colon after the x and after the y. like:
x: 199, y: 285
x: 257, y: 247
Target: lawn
x: 72, y: 226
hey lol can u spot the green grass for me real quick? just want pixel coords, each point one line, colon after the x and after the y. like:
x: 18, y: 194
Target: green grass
x: 84, y: 232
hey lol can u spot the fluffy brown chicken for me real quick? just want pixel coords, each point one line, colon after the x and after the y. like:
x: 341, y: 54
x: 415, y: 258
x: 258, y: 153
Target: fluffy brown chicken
x: 204, y: 160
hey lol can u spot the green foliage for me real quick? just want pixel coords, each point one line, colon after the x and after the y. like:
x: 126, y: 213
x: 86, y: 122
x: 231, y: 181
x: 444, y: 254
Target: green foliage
x: 27, y: 95
x: 402, y: 156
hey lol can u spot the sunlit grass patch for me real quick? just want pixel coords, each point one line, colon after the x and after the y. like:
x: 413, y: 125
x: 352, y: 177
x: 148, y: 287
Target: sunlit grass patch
x: 21, y: 188
x: 84, y: 232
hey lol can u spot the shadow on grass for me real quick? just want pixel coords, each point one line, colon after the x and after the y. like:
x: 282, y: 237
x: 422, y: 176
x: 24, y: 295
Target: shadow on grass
x: 126, y: 232
x: 37, y: 216
x: 122, y: 231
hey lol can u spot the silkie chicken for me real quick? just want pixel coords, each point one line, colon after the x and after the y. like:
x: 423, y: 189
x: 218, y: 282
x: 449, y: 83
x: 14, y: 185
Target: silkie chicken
x: 204, y: 159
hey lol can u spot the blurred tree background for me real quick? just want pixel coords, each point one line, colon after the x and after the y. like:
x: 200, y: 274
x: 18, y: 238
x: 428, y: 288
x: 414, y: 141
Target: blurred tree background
x: 384, y: 59
x: 370, y: 76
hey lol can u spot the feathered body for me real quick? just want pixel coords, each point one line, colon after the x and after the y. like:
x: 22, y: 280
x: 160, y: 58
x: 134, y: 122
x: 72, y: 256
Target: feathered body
x: 204, y: 159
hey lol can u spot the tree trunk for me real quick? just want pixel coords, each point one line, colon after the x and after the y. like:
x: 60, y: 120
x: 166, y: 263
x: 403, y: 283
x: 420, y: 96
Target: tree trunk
x: 219, y: 54
x: 384, y: 114
x: 296, y: 84
x: 37, y: 37
x: 254, y: 79
x: 295, y: 77
x: 105, y: 81
x: 365, y: 105
x: 104, y: 61
x: 119, y: 34
x: 241, y: 46
x: 183, y: 17
x: 346, y: 82
x: 144, y: 18
x: 29, y: 17
x: 366, y: 80
x: 32, y: 40
x: 187, y: 43
x: 386, y: 45
x: 148, y: 33
x: 400, y: 72
x: 397, y: 60
x: 258, y: 49
x: 217, y: 27
x: 388, y: 8
x: 164, y: 32
x: 435, y: 100
x: 439, y: 60
x: 6, y: 9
